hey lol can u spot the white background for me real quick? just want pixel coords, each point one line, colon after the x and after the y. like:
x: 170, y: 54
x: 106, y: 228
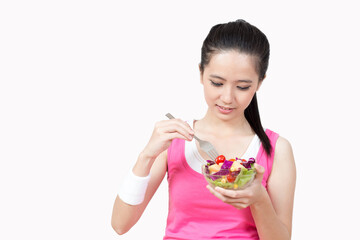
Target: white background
x: 83, y: 83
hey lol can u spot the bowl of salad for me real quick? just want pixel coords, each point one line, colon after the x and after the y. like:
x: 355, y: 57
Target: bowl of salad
x: 229, y: 174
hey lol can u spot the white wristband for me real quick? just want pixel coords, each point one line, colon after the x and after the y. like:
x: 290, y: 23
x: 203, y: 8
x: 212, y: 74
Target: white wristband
x: 133, y: 188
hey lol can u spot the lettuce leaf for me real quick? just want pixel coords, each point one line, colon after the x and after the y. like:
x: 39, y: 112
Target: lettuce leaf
x: 244, y: 177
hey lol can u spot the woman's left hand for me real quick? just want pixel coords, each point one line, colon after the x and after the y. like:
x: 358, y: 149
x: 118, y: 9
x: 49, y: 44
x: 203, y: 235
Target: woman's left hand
x: 244, y: 197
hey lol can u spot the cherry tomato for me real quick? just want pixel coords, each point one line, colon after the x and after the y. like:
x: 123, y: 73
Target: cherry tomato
x: 230, y: 178
x: 220, y: 159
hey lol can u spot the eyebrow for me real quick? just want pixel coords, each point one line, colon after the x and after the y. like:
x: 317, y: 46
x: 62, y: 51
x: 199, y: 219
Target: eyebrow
x: 221, y: 78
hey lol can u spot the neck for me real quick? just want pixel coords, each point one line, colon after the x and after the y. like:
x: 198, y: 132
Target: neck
x: 226, y: 127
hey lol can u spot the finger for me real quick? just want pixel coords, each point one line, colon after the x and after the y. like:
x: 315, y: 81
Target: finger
x: 240, y: 205
x: 183, y: 124
x: 227, y: 199
x: 259, y: 172
x: 172, y: 122
x: 216, y: 194
x: 180, y: 128
x: 235, y: 194
x: 189, y: 126
x: 171, y: 136
x: 176, y: 129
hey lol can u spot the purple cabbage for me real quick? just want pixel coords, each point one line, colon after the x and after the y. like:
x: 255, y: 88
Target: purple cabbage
x: 226, y: 165
x: 249, y: 163
x: 213, y: 177
x: 210, y: 162
x: 224, y: 170
x: 235, y: 173
x: 207, y: 171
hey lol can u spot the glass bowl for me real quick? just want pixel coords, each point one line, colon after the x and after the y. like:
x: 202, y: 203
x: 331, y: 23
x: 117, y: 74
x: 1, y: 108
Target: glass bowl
x: 231, y: 180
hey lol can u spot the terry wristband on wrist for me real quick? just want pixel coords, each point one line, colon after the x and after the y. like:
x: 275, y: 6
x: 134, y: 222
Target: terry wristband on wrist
x: 133, y: 188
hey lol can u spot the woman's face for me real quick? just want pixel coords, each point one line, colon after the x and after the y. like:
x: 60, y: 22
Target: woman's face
x: 230, y: 82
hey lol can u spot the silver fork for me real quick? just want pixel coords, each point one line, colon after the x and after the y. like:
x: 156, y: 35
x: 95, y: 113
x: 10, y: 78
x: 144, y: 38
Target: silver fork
x: 206, y: 146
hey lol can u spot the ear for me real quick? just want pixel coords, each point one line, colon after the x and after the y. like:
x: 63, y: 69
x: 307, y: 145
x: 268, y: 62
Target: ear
x: 201, y: 75
x: 259, y: 84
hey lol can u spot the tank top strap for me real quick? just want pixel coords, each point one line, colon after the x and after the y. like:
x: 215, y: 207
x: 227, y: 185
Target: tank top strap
x: 265, y: 160
x: 175, y: 155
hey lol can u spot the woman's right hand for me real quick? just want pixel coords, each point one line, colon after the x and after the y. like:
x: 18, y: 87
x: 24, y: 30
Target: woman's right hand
x: 151, y: 160
x: 164, y: 132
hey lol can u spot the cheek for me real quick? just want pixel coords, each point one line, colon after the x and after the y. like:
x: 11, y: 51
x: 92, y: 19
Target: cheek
x: 245, y: 100
x: 209, y: 91
x: 210, y: 94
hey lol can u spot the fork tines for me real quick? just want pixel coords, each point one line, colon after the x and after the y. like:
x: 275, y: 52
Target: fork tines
x: 213, y: 154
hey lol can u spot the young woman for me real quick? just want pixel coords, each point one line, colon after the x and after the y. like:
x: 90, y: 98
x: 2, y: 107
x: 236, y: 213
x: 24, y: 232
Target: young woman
x: 234, y: 61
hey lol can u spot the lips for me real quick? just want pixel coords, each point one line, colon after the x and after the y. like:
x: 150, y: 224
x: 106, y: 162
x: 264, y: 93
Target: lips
x: 224, y: 110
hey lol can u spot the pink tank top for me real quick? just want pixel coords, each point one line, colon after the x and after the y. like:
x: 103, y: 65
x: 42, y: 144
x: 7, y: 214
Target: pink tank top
x: 194, y: 213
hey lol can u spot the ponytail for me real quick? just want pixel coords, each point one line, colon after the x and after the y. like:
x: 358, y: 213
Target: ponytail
x: 253, y: 117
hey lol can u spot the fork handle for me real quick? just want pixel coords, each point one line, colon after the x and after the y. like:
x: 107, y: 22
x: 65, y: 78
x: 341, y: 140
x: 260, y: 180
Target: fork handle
x: 172, y: 117
x: 198, y: 139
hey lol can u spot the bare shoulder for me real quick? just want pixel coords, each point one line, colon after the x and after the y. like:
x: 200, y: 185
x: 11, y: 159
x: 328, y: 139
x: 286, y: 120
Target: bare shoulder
x: 283, y: 148
x: 284, y: 163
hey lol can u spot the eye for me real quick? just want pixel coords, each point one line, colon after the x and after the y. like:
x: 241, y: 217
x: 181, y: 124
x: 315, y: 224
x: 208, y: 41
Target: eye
x: 243, y: 88
x: 215, y: 83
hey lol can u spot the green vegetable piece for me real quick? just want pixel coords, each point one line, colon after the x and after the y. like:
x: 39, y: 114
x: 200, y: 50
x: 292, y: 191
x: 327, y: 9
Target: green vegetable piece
x: 244, y: 177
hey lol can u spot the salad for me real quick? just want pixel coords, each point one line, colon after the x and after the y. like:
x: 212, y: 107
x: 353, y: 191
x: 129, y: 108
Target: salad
x: 230, y: 174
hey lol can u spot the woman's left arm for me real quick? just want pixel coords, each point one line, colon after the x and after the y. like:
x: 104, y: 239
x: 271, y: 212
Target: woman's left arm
x: 273, y: 213
x: 272, y: 209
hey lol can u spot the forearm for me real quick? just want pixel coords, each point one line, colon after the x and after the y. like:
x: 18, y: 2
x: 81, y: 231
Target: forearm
x: 124, y: 215
x: 268, y: 224
x: 143, y: 165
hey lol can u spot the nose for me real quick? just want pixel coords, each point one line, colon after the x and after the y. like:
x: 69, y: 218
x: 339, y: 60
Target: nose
x: 227, y: 95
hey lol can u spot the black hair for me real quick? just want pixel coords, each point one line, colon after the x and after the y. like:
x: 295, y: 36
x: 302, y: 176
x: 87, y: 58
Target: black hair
x: 248, y: 39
